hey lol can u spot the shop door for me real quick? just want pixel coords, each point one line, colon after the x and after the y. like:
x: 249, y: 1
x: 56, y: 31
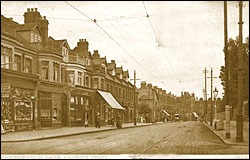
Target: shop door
x: 46, y: 118
x: 64, y: 111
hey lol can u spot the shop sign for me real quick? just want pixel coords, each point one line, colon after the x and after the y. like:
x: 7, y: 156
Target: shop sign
x: 5, y: 95
x: 85, y: 94
x: 45, y: 113
x: 56, y: 96
x: 5, y: 88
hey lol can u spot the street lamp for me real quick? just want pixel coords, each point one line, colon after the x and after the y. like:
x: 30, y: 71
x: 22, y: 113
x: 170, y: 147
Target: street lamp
x: 215, y: 112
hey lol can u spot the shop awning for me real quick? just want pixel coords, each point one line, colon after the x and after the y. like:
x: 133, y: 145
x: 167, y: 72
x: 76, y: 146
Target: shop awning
x: 110, y: 100
x: 166, y: 112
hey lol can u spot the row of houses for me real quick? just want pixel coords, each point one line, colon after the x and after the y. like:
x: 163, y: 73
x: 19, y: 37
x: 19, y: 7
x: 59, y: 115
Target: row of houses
x: 44, y: 83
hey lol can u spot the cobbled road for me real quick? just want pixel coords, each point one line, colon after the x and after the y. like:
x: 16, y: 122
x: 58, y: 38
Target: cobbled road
x: 166, y: 138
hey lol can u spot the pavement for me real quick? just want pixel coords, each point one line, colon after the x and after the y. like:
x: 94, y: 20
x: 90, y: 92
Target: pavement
x: 232, y: 140
x: 23, y: 136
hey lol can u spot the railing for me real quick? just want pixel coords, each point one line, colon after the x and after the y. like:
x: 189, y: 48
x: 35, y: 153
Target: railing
x: 76, y: 59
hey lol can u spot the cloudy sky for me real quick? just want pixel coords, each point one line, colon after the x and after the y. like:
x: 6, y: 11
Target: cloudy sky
x: 190, y: 36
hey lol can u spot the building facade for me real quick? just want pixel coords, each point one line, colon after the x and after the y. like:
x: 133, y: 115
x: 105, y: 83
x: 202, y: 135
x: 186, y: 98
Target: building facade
x: 44, y: 83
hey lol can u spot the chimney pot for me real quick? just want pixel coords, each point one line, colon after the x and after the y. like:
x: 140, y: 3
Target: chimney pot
x: 28, y: 9
x: 44, y: 17
x: 32, y: 9
x: 35, y: 9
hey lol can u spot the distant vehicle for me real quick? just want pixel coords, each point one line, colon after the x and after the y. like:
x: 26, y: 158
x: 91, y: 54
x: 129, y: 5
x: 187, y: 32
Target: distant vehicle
x: 194, y: 116
x: 176, y: 117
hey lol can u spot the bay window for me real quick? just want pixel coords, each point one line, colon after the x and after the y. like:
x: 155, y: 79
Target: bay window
x: 45, y: 70
x: 27, y: 65
x: 56, y: 69
x: 5, y: 57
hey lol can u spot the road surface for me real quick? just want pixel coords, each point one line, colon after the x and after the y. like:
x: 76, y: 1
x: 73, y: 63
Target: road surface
x: 166, y: 138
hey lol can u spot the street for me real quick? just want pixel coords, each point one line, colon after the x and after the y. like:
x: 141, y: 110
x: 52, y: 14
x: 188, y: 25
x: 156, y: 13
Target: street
x: 167, y: 138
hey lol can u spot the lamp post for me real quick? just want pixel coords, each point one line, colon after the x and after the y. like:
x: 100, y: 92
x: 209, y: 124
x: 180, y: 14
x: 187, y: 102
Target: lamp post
x: 215, y: 111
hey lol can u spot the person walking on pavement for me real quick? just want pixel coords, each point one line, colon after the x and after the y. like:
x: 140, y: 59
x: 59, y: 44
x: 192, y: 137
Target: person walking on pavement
x: 97, y: 124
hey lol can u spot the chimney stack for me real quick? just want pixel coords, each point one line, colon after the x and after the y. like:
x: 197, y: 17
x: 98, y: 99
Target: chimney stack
x: 143, y: 84
x: 149, y: 85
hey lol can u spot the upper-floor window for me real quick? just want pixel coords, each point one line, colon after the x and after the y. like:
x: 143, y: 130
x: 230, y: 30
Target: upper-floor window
x: 111, y: 89
x: 5, y: 57
x: 80, y: 78
x: 35, y: 37
x: 63, y: 77
x: 107, y: 87
x: 102, y: 83
x: 87, y: 81
x: 116, y: 91
x: 96, y: 83
x: 123, y: 94
x: 56, y: 69
x: 17, y: 64
x: 45, y: 70
x: 27, y: 65
x: 65, y: 53
x: 32, y: 38
x: 119, y: 95
x: 71, y: 77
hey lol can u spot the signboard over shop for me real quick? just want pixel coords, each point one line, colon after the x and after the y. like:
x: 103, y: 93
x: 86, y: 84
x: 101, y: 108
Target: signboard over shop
x: 5, y: 88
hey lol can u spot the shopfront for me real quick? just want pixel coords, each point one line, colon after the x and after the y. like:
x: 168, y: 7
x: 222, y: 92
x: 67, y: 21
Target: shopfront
x: 81, y: 110
x: 53, y: 109
x: 17, y: 108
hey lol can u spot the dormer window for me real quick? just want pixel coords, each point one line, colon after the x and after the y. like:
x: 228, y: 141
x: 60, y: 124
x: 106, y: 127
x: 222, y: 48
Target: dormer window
x: 35, y: 37
x: 32, y: 37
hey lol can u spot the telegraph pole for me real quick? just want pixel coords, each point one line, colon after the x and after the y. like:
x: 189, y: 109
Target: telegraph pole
x: 205, y: 71
x: 239, y: 115
x: 226, y: 55
x: 211, y: 112
x: 135, y: 96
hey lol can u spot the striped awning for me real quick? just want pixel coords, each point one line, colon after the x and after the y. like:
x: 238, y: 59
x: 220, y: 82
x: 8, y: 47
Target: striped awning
x: 110, y: 100
x: 166, y: 112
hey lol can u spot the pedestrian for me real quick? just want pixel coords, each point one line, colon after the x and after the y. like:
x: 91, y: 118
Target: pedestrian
x: 97, y: 124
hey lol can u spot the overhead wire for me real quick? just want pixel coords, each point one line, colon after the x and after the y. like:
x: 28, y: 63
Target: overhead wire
x: 94, y: 20
x: 158, y: 42
x: 122, y: 29
x: 108, y: 19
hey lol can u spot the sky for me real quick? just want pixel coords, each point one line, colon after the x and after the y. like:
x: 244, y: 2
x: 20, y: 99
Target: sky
x: 184, y: 38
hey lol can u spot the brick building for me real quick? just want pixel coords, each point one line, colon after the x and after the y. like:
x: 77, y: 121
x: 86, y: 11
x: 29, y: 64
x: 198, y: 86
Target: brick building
x: 44, y: 83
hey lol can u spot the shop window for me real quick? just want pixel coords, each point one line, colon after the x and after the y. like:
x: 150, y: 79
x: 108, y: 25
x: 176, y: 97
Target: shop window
x: 5, y: 109
x: 56, y: 111
x: 56, y: 69
x: 80, y: 78
x: 27, y: 66
x: 5, y: 57
x: 17, y: 64
x: 45, y: 70
x: 23, y: 110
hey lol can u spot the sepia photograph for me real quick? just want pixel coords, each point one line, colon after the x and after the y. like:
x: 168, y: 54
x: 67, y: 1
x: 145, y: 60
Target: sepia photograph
x: 124, y: 79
